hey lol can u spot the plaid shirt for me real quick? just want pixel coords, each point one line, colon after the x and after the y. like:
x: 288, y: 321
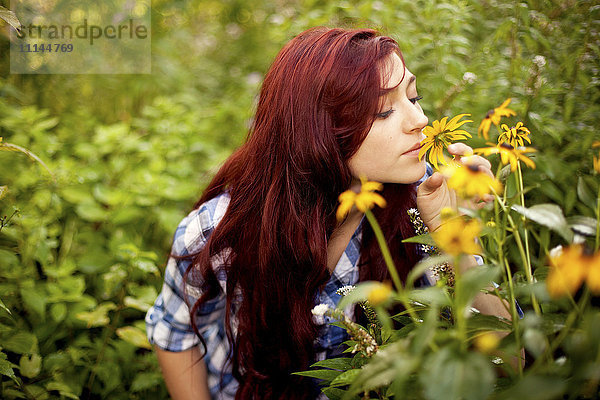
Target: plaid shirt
x: 168, y: 321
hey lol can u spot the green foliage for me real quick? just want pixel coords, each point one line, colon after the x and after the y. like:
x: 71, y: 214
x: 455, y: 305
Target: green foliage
x: 82, y: 247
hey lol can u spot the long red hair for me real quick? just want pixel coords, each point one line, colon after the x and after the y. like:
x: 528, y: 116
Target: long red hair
x: 316, y: 106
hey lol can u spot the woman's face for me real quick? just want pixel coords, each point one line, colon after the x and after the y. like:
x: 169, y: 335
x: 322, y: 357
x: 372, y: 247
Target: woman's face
x: 389, y: 152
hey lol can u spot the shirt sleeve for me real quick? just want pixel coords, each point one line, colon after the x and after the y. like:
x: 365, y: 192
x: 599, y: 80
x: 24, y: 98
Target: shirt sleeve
x: 168, y: 323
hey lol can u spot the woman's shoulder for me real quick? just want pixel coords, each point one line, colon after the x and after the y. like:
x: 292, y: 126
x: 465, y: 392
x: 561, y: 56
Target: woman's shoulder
x: 193, y: 230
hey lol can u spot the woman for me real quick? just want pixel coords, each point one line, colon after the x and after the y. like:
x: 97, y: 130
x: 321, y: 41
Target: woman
x: 262, y: 246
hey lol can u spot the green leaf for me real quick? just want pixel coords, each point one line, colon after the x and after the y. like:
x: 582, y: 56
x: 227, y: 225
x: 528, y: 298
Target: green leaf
x: 58, y: 311
x: 582, y: 225
x: 10, y: 18
x: 324, y: 374
x: 549, y: 215
x: 450, y: 375
x: 21, y: 342
x: 98, y: 317
x: 3, y: 307
x: 6, y: 367
x: 30, y: 366
x: 138, y: 304
x: 34, y: 300
x: 134, y: 336
x: 585, y: 194
x: 346, y: 378
x: 37, y: 392
x: 62, y: 388
x: 145, y: 380
x: 147, y: 266
x: 3, y: 191
x: 433, y: 295
x: 92, y: 212
x: 342, y: 363
x: 422, y: 239
x: 482, y: 322
x: 472, y: 281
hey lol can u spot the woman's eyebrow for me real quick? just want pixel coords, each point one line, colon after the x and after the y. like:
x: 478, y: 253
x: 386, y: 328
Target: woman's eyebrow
x: 395, y: 88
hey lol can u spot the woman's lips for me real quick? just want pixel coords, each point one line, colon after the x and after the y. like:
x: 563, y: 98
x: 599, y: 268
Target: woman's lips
x: 414, y: 151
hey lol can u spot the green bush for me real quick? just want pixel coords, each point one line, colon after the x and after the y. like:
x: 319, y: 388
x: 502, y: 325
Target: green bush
x: 128, y: 155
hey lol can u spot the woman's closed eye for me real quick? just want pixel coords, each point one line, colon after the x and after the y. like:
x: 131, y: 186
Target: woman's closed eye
x: 415, y: 99
x: 385, y: 114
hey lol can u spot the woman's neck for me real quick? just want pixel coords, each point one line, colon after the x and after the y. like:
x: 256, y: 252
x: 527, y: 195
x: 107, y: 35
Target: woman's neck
x: 340, y: 237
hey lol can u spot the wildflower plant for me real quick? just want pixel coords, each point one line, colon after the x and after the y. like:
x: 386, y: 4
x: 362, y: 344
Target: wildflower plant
x: 432, y: 341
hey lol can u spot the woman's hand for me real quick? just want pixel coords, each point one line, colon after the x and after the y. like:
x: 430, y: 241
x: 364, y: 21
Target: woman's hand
x: 433, y: 195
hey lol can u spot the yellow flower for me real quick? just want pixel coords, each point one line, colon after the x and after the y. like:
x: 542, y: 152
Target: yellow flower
x: 596, y: 162
x: 567, y: 272
x: 594, y: 145
x: 439, y: 135
x: 468, y: 181
x: 593, y: 274
x: 379, y: 294
x: 487, y: 342
x: 493, y: 117
x: 364, y: 200
x: 457, y: 236
x: 515, y: 135
x: 508, y: 154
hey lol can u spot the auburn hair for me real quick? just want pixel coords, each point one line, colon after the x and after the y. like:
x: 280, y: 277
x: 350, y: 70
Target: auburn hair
x: 316, y: 106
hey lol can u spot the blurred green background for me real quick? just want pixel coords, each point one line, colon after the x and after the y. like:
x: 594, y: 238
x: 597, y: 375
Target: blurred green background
x: 82, y: 250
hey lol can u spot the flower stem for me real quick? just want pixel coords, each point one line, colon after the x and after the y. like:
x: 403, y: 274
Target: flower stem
x: 389, y: 262
x: 501, y: 237
x: 527, y: 260
x: 597, y: 221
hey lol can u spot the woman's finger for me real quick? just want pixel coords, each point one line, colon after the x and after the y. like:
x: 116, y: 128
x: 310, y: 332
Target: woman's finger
x: 460, y: 149
x: 478, y: 161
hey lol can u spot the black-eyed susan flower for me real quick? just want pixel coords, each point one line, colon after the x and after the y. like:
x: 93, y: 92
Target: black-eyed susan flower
x: 568, y: 269
x: 487, y: 342
x: 468, y: 181
x: 508, y: 154
x: 515, y: 136
x: 493, y: 117
x: 441, y: 134
x: 458, y: 236
x: 364, y: 200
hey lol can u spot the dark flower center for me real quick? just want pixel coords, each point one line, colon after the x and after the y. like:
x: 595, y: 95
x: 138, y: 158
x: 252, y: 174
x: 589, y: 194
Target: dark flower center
x: 506, y: 146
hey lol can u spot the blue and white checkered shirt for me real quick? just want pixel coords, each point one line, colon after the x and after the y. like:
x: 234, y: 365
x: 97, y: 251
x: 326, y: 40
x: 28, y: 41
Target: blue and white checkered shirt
x: 168, y: 321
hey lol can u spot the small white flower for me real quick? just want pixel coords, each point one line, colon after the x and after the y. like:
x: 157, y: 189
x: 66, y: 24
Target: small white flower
x: 377, y: 6
x: 253, y: 78
x: 469, y: 77
x: 320, y: 310
x: 556, y: 252
x: 540, y: 61
x: 345, y: 290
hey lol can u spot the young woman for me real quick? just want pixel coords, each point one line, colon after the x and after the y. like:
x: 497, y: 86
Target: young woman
x: 262, y: 246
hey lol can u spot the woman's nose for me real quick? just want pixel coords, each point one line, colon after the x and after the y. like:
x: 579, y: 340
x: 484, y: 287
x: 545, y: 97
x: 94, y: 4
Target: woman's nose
x: 418, y: 122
